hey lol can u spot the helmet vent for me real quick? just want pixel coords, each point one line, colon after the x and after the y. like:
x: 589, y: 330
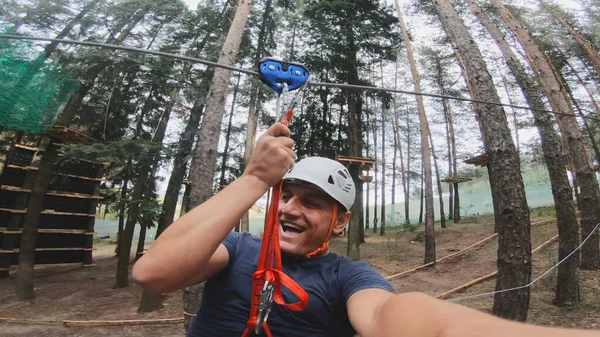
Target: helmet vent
x: 347, y: 188
x: 343, y: 174
x: 330, y: 180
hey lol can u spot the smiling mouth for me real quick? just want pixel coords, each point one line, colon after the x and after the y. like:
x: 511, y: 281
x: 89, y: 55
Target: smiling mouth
x: 290, y: 228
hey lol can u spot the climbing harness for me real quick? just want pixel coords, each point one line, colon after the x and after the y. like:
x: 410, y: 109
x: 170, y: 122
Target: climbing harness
x: 267, y: 280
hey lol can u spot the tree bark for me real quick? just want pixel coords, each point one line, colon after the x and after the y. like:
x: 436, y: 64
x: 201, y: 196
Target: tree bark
x: 407, y: 171
x: 514, y: 113
x: 439, y: 184
x: 385, y: 107
x: 368, y: 130
x: 425, y: 150
x: 567, y: 289
x: 375, y: 169
x: 31, y: 221
x: 421, y: 199
x: 512, y: 212
x: 227, y: 136
x: 398, y: 148
x: 208, y: 136
x: 354, y: 139
x: 572, y: 137
x: 451, y: 174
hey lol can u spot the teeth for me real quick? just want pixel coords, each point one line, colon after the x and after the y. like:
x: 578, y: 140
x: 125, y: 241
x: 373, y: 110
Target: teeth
x: 287, y: 224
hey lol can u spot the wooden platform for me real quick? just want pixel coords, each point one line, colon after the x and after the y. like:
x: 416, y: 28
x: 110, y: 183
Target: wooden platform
x: 363, y: 163
x: 480, y: 160
x: 456, y: 180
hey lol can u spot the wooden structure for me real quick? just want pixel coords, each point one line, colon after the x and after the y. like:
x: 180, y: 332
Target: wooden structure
x: 480, y: 160
x: 364, y: 164
x: 66, y: 227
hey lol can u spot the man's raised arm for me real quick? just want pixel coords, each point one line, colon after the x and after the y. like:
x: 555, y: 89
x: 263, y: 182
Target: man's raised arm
x: 189, y: 251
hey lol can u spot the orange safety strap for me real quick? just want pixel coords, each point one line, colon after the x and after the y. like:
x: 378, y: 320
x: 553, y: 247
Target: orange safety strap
x: 270, y: 253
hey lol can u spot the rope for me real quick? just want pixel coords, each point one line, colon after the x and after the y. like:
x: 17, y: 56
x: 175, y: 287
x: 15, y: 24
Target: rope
x: 532, y: 282
x: 254, y: 73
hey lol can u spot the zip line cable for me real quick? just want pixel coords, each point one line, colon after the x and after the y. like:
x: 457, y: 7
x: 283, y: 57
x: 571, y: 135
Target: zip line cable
x: 254, y: 73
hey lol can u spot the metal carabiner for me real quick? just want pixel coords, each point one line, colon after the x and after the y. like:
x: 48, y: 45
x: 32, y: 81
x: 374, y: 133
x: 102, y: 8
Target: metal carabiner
x: 282, y: 104
x: 264, y: 306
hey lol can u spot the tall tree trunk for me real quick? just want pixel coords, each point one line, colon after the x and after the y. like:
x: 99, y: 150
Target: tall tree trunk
x: 141, y: 241
x: 514, y: 237
x: 146, y: 160
x: 123, y: 197
x: 557, y: 96
x: 208, y: 137
x: 450, y: 172
x: 398, y: 148
x: 456, y: 209
x: 439, y: 184
x: 227, y: 136
x: 592, y: 54
x: 421, y: 198
x: 375, y: 169
x: 407, y: 171
x: 385, y: 107
x: 425, y: 150
x: 31, y: 220
x: 567, y: 289
x: 514, y: 113
x: 354, y: 139
x: 394, y: 168
x: 447, y: 121
x: 368, y: 204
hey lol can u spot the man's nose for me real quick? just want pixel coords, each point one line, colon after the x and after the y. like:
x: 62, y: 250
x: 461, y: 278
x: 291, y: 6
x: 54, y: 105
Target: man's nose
x: 291, y: 207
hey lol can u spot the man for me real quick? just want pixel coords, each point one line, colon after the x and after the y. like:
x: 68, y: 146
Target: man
x: 345, y: 297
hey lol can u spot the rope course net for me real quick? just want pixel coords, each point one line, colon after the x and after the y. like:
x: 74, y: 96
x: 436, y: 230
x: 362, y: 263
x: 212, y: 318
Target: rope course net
x: 33, y: 90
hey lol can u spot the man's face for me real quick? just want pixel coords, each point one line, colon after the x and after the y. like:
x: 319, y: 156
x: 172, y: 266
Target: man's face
x: 304, y: 218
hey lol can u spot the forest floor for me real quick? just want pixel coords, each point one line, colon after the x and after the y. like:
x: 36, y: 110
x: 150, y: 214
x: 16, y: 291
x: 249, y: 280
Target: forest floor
x: 67, y: 293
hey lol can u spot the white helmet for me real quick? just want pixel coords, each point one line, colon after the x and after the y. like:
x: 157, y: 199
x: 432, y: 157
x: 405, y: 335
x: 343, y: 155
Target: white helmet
x: 328, y: 175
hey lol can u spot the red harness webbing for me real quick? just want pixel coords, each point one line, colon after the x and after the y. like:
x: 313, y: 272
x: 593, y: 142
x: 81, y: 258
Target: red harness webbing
x: 270, y: 253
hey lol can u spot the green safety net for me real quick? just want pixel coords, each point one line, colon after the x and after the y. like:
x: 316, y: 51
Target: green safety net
x: 33, y: 90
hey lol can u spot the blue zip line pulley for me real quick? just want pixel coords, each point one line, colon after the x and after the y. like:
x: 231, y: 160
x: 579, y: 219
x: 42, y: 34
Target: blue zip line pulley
x: 275, y: 72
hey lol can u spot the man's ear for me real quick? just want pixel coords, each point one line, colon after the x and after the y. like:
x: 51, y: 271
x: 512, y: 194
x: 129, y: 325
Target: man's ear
x: 341, y: 222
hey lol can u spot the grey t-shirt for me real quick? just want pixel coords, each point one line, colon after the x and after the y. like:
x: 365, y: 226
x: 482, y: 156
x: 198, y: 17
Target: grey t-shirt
x: 329, y: 281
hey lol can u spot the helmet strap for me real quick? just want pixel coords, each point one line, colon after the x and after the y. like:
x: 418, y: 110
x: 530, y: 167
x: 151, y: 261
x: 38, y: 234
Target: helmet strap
x: 325, y: 244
